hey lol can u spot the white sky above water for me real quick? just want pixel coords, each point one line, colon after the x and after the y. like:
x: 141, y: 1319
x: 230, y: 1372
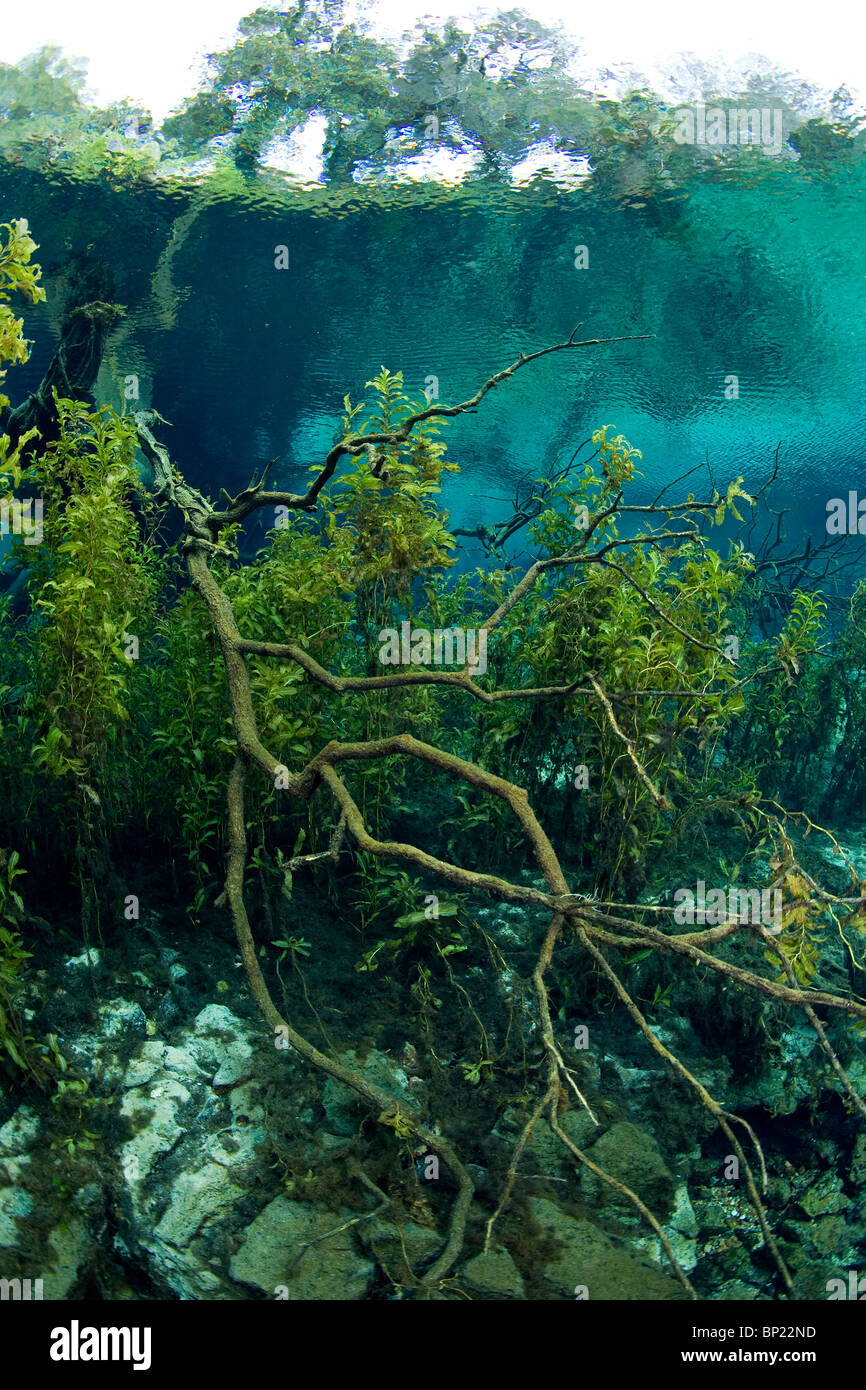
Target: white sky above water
x: 153, y: 51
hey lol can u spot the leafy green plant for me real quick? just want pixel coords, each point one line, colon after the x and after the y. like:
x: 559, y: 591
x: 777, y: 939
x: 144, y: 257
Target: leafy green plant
x: 17, y: 276
x: 424, y: 930
x: 13, y: 961
x: 660, y: 999
x: 92, y: 585
x: 789, y: 721
x: 294, y: 945
x: 801, y: 938
x: 651, y: 616
x: 83, y: 1141
x: 473, y: 1071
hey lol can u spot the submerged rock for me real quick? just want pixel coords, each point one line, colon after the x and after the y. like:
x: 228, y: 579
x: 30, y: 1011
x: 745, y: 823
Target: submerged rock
x: 294, y: 1251
x: 403, y: 1252
x: 494, y: 1275
x: 633, y: 1157
x: 581, y: 1257
x: 546, y: 1152
x: 344, y: 1108
x: 15, y: 1204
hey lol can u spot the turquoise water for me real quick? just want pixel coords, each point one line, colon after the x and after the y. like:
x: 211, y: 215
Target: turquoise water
x: 755, y: 270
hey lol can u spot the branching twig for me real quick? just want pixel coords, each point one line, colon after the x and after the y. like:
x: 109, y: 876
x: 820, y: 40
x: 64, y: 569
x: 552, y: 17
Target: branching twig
x: 591, y: 925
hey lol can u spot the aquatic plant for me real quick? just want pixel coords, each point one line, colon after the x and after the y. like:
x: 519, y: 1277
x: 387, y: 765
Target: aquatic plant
x: 17, y: 275
x: 612, y: 643
x: 13, y: 958
x: 87, y: 578
x: 689, y: 612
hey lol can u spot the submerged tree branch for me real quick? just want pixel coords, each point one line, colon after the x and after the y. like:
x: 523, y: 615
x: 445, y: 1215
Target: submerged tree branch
x: 591, y: 927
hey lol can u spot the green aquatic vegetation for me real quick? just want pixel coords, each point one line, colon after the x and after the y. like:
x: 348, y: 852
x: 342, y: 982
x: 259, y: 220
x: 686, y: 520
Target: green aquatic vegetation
x: 92, y: 582
x: 474, y: 1071
x: 83, y: 1141
x: 602, y: 712
x: 801, y: 939
x: 440, y: 927
x: 617, y: 459
x: 73, y: 1102
x: 684, y: 590
x: 296, y: 945
x: 88, y: 580
x: 794, y: 702
x: 328, y: 587
x: 380, y: 514
x: 383, y: 890
x: 839, y: 685
x: 18, y: 276
x: 191, y: 737
x: 13, y: 963
x: 648, y: 615
x: 660, y: 999
x: 38, y: 1060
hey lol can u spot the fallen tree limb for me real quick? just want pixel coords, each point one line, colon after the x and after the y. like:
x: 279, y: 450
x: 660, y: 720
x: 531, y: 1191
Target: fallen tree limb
x: 588, y: 925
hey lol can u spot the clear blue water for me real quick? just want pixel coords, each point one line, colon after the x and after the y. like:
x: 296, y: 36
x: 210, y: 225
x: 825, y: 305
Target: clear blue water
x: 757, y: 269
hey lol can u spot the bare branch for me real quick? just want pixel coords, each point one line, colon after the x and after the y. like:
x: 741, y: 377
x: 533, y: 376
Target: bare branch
x: 249, y: 500
x: 661, y: 801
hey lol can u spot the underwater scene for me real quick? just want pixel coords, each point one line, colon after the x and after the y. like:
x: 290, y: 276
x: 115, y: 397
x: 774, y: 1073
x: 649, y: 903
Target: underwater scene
x: 432, y: 674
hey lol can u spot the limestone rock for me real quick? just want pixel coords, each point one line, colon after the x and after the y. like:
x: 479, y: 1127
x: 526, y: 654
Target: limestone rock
x: 632, y: 1156
x: 272, y: 1257
x: 494, y: 1274
x: 583, y: 1257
